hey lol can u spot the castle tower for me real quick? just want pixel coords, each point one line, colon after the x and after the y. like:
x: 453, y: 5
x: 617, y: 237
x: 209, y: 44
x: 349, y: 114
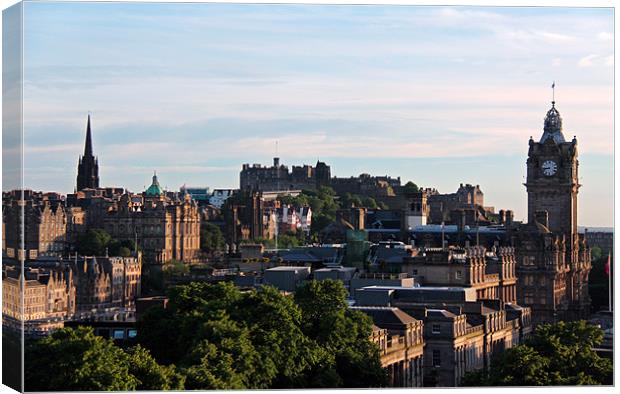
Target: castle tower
x: 88, y: 167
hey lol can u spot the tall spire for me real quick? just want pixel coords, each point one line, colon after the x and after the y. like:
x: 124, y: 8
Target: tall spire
x: 88, y: 147
x: 88, y: 168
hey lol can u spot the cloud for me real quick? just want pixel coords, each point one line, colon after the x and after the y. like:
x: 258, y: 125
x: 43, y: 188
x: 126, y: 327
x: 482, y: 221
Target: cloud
x: 595, y: 60
x: 605, y: 36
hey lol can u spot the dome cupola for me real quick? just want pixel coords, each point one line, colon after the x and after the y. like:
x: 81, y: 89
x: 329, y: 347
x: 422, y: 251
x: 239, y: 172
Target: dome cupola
x: 553, y: 126
x: 154, y: 190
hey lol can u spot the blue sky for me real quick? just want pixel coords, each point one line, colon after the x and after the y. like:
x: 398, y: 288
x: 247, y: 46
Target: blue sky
x: 437, y: 95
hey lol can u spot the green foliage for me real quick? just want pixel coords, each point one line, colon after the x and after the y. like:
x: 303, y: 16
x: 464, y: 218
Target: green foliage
x: 557, y: 354
x: 411, y: 187
x: 369, y: 202
x: 85, y: 362
x: 150, y: 375
x: 174, y: 268
x: 96, y: 241
x: 222, y: 338
x: 211, y: 238
x: 597, y: 253
x: 327, y: 319
x: 122, y: 248
x: 93, y: 242
x: 80, y: 361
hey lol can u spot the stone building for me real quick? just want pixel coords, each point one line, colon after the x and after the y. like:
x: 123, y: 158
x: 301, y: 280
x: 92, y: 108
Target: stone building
x: 47, y: 297
x: 105, y: 282
x: 491, y: 272
x: 165, y: 229
x: 468, y: 199
x: 45, y: 224
x: 401, y: 343
x: 461, y: 333
x: 278, y: 177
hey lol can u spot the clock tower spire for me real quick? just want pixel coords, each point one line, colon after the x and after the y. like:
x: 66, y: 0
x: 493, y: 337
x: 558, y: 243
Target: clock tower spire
x: 552, y: 178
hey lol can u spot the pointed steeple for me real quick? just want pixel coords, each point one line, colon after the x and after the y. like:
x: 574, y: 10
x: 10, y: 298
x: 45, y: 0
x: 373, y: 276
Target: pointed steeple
x: 88, y: 168
x: 88, y: 147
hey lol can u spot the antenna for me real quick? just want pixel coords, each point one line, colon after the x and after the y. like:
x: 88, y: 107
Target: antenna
x: 276, y: 148
x: 553, y: 93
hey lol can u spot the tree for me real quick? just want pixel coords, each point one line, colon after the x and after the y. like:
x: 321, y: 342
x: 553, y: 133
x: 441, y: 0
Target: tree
x: 81, y: 360
x: 93, y: 243
x: 369, y: 202
x: 211, y: 238
x: 345, y: 333
x: 150, y: 375
x: 410, y: 188
x: 557, y: 354
x: 222, y: 338
x: 122, y: 248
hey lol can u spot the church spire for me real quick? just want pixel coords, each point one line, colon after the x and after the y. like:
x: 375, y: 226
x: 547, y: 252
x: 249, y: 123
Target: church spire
x: 88, y: 146
x: 88, y: 168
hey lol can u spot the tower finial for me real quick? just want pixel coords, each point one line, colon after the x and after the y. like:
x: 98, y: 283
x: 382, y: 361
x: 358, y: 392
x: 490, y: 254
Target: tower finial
x: 88, y: 146
x: 553, y: 94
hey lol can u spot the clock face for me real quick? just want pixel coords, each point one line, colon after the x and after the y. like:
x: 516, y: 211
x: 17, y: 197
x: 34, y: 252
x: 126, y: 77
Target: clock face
x: 549, y: 167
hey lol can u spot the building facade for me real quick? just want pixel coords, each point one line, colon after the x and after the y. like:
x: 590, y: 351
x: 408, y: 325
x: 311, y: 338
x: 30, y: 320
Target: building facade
x: 164, y: 229
x: 400, y: 338
x: 44, y: 224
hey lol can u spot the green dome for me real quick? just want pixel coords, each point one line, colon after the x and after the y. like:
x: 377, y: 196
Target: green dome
x: 154, y: 189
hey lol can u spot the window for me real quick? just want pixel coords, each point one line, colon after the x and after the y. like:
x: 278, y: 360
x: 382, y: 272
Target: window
x: 458, y: 274
x: 119, y: 334
x: 132, y: 333
x: 436, y: 358
x: 415, y: 272
x: 436, y: 329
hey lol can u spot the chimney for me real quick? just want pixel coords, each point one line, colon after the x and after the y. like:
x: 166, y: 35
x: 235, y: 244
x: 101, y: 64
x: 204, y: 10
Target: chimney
x: 542, y: 217
x: 509, y: 218
x: 502, y: 216
x: 276, y: 162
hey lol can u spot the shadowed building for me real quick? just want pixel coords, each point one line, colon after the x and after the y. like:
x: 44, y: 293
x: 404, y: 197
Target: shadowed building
x: 44, y: 224
x: 401, y: 344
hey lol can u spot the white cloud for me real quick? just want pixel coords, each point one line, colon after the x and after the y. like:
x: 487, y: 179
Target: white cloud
x: 587, y: 61
x: 596, y: 60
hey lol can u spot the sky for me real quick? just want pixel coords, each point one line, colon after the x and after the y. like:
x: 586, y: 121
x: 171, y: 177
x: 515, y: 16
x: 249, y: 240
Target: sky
x: 436, y: 95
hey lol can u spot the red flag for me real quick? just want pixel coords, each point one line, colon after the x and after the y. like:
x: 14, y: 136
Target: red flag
x: 607, y: 265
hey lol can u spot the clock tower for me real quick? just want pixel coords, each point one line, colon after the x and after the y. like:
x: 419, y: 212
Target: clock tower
x: 552, y: 179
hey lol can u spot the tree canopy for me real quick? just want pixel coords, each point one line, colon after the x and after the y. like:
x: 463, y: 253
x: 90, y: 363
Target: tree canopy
x: 96, y: 242
x: 211, y: 238
x: 86, y: 362
x: 557, y: 354
x: 225, y: 339
x: 411, y: 187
